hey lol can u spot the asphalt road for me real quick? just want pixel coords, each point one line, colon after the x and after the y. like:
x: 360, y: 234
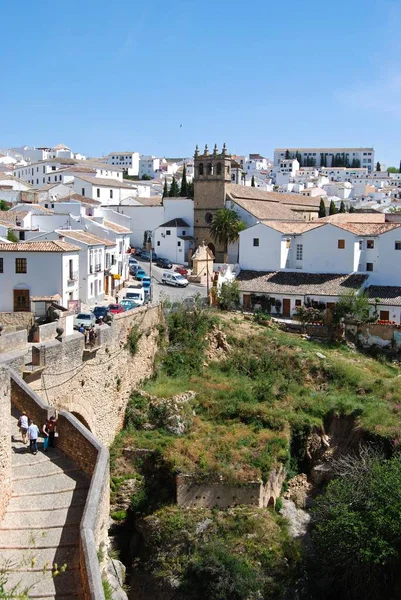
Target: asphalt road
x: 164, y: 292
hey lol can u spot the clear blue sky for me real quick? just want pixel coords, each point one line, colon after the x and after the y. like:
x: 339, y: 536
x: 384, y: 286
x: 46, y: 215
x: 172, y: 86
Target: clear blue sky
x: 102, y: 76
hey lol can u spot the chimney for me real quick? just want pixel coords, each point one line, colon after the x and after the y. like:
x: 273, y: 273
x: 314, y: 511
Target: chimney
x: 61, y: 238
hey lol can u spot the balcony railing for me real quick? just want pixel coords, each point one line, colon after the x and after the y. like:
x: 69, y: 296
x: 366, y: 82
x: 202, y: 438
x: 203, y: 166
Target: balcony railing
x: 91, y: 268
x: 98, y: 268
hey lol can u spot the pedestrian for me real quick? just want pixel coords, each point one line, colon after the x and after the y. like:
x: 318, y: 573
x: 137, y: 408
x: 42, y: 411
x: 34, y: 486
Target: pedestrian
x: 92, y: 336
x: 23, y: 426
x: 81, y: 329
x: 33, y: 433
x: 116, y: 298
x: 50, y: 426
x: 86, y: 337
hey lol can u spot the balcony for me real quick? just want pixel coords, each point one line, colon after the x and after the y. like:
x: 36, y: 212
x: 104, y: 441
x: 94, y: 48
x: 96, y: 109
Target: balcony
x: 72, y: 278
x: 91, y: 269
x: 98, y: 268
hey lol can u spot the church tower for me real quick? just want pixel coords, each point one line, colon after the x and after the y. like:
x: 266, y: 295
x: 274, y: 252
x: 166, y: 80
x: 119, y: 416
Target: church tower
x: 212, y: 174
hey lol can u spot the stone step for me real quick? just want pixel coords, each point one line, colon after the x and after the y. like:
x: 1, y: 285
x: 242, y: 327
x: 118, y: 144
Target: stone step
x: 47, y: 501
x: 39, y: 585
x: 62, y: 517
x: 22, y: 458
x: 58, y: 481
x: 37, y: 559
x: 39, y: 538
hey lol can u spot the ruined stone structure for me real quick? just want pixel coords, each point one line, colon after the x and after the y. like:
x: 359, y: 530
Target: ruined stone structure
x: 212, y: 174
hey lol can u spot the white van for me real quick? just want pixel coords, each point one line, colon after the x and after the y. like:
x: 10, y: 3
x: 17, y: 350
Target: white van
x: 136, y: 294
x: 174, y: 279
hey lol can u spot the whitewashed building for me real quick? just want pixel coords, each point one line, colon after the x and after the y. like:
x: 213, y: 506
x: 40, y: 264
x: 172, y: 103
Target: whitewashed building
x: 173, y: 240
x: 128, y: 161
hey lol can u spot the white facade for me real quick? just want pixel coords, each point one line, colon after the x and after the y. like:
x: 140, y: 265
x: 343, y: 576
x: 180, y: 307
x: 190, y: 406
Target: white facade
x: 173, y: 239
x: 105, y: 191
x: 129, y: 161
x: 61, y: 269
x: 149, y: 165
x: 365, y: 156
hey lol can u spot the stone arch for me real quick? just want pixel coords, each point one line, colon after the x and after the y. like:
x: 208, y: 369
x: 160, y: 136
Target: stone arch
x: 200, y: 168
x: 212, y: 248
x: 218, y: 169
x: 210, y: 168
x: 85, y: 415
x: 271, y: 503
x: 81, y: 419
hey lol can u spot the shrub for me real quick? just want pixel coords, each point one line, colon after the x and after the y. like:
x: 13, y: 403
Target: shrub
x: 133, y: 340
x: 229, y: 296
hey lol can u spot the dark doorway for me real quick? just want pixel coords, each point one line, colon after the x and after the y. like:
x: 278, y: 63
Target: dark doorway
x: 21, y: 300
x: 81, y: 420
x: 286, y: 307
x: 212, y: 248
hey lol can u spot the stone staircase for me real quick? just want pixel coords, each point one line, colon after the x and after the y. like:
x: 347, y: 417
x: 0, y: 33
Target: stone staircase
x: 39, y: 535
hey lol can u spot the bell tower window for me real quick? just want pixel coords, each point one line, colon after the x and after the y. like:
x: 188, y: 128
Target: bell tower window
x: 209, y: 169
x: 218, y: 170
x: 208, y: 218
x: 201, y: 169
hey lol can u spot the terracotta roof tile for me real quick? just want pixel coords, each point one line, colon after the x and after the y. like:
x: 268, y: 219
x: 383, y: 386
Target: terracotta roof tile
x: 265, y: 210
x: 45, y: 246
x: 389, y: 295
x: 293, y: 226
x: 299, y: 284
x: 85, y: 237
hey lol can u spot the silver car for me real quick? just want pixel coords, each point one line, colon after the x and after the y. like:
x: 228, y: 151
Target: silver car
x: 86, y: 319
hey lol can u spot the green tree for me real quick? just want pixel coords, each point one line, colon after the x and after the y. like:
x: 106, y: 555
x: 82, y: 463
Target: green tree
x: 287, y: 154
x: 190, y: 188
x: 332, y: 209
x: 253, y: 181
x: 146, y: 177
x: 225, y: 228
x: 351, y: 209
x: 352, y: 305
x: 378, y: 166
x: 174, y: 189
x: 165, y: 189
x: 342, y: 207
x: 392, y: 170
x: 322, y: 209
x: 4, y: 205
x: 184, y: 184
x: 356, y: 531
x: 11, y: 236
x: 229, y: 296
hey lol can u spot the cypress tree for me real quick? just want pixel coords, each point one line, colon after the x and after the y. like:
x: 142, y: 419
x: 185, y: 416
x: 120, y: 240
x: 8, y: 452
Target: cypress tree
x: 165, y: 189
x: 190, y: 188
x: 184, y: 184
x: 399, y: 170
x: 351, y: 209
x: 322, y: 209
x: 174, y: 189
x: 342, y: 207
x: 332, y: 209
x: 378, y: 166
x: 253, y: 181
x: 287, y: 154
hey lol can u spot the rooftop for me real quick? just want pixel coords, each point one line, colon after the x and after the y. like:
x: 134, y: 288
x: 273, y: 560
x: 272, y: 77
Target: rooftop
x: 298, y: 284
x: 387, y: 294
x: 175, y: 223
x: 45, y: 246
x: 290, y: 227
x: 85, y: 237
x: 106, y: 182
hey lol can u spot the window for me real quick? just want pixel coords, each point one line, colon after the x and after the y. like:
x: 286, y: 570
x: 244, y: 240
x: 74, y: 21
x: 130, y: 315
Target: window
x: 298, y: 302
x: 201, y: 169
x: 158, y: 243
x: 341, y: 244
x: 360, y: 244
x: 184, y: 232
x: 256, y: 242
x: 178, y: 244
x: 369, y: 266
x: 208, y: 218
x: 70, y: 269
x: 91, y: 289
x: 398, y: 245
x: 22, y: 235
x: 83, y: 191
x: 98, y: 192
x: 300, y: 251
x: 218, y: 170
x: 20, y: 265
x: 370, y: 244
x: 1, y: 266
x: 111, y: 193
x: 168, y: 232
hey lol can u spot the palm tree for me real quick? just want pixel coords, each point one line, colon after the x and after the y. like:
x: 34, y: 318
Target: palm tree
x: 225, y: 228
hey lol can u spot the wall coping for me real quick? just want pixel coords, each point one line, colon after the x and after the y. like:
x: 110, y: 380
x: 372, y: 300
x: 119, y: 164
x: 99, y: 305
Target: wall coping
x: 93, y: 500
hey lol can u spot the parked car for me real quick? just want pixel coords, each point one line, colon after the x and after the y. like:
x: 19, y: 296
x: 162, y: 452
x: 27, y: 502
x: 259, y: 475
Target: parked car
x: 115, y: 309
x: 137, y: 296
x: 182, y: 271
x: 132, y: 260
x: 138, y: 251
x: 133, y: 269
x: 146, y: 256
x: 146, y: 283
x: 129, y: 304
x: 101, y: 312
x: 164, y: 263
x: 86, y: 319
x: 140, y: 274
x: 174, y: 279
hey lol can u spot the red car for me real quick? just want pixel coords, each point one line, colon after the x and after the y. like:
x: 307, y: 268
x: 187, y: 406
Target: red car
x: 182, y: 271
x: 115, y: 309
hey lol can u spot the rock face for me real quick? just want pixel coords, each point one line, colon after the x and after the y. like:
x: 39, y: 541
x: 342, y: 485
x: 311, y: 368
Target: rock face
x: 218, y: 345
x: 298, y: 491
x: 173, y: 414
x: 115, y: 575
x: 122, y: 499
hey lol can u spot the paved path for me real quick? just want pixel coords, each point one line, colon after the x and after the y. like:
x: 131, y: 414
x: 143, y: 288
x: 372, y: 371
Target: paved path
x: 41, y: 526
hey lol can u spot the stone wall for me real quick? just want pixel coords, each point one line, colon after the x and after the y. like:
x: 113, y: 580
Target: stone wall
x: 373, y: 334
x: 95, y: 386
x: 5, y: 437
x: 92, y: 457
x: 17, y: 320
x: 192, y: 493
x: 13, y: 341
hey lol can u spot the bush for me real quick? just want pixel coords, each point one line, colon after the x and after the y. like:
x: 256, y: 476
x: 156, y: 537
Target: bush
x: 133, y: 340
x: 357, y: 529
x: 229, y: 296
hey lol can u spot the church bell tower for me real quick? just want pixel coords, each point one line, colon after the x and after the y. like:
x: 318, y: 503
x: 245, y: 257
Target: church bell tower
x: 212, y: 174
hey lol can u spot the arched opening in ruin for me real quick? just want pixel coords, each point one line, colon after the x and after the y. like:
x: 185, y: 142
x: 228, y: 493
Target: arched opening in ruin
x: 271, y: 502
x: 81, y: 420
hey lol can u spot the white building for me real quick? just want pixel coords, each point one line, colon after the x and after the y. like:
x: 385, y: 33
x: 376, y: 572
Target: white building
x: 149, y: 165
x: 128, y: 161
x: 33, y: 271
x: 173, y: 240
x: 319, y: 157
x: 106, y: 190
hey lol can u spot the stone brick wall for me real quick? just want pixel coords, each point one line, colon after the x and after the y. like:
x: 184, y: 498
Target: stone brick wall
x: 96, y: 386
x: 191, y: 493
x: 373, y: 334
x: 5, y: 437
x: 16, y: 320
x: 13, y: 341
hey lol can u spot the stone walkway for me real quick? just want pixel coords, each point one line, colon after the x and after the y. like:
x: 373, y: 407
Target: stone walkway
x: 39, y: 534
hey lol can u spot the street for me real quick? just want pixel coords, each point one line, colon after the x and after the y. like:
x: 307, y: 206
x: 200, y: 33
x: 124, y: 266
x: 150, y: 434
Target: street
x: 166, y: 292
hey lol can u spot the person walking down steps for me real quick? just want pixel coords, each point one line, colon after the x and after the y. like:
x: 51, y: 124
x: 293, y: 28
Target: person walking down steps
x: 23, y: 426
x: 49, y: 432
x: 33, y: 433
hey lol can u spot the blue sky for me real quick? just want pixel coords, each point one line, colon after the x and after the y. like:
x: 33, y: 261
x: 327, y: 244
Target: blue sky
x: 160, y: 77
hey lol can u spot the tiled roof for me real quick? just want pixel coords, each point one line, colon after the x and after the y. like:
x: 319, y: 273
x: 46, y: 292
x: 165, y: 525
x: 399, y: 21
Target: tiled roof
x: 115, y: 227
x: 11, y: 216
x: 265, y: 210
x: 235, y: 191
x: 175, y: 223
x: 293, y: 226
x: 45, y: 246
x: 354, y: 218
x: 152, y: 201
x: 387, y: 294
x: 79, y: 198
x: 106, y: 182
x: 85, y: 237
x: 299, y: 284
x: 368, y: 228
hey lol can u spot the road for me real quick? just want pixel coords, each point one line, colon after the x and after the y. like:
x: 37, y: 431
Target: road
x: 164, y: 292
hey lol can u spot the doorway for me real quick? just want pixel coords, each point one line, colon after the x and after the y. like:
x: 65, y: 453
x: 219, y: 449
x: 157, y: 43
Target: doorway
x: 384, y: 315
x: 21, y: 301
x: 286, y: 307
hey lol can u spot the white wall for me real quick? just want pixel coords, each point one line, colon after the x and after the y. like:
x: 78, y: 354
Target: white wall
x: 178, y: 209
x: 169, y: 245
x: 143, y: 218
x: 266, y: 256
x: 321, y: 253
